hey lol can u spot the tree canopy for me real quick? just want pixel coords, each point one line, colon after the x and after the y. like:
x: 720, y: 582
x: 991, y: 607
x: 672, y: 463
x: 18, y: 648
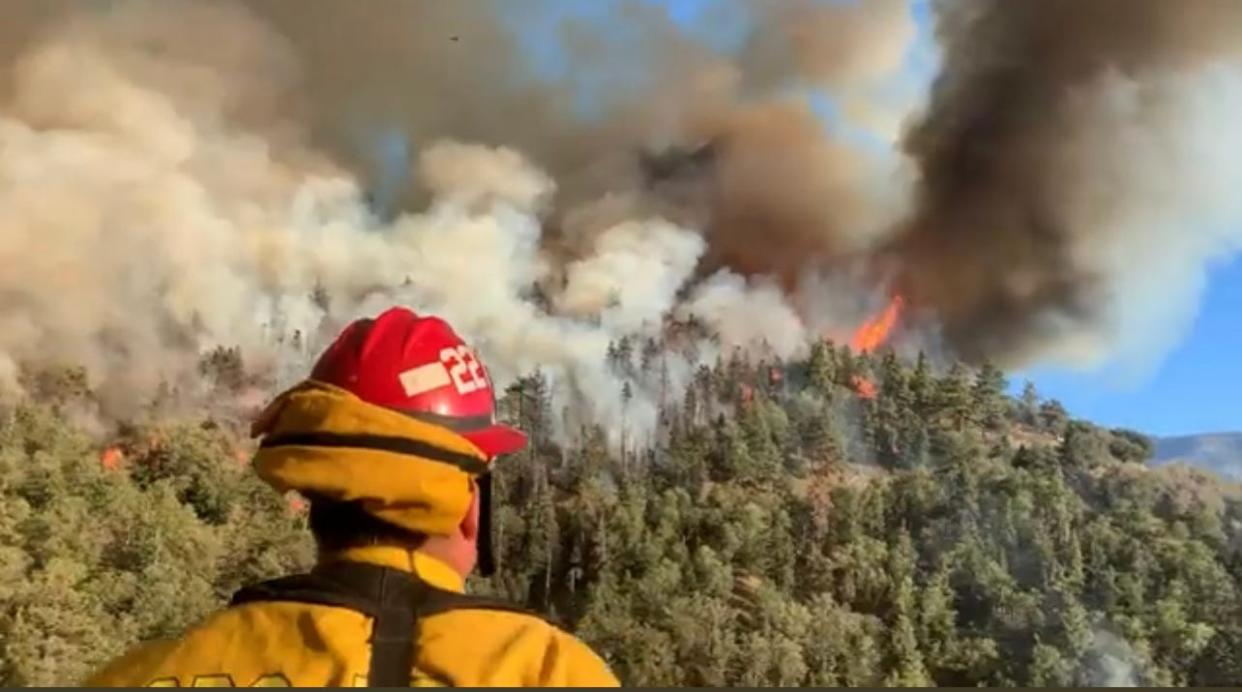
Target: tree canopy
x: 776, y: 529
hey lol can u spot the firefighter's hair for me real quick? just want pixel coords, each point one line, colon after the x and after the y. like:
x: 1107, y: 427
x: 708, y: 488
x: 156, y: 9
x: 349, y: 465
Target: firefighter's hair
x: 340, y: 525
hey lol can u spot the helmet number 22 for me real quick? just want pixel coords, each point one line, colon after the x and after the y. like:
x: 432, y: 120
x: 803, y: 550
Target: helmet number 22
x: 464, y: 369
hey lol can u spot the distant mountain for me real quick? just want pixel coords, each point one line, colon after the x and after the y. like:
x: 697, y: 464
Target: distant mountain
x: 1218, y: 452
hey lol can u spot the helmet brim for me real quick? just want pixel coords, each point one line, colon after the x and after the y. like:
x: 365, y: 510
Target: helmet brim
x: 496, y: 440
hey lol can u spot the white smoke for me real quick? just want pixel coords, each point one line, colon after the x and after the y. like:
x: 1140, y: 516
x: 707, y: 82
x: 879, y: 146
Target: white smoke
x: 162, y: 194
x: 153, y: 208
x: 1109, y: 662
x: 1156, y: 163
x: 633, y: 274
x: 748, y: 315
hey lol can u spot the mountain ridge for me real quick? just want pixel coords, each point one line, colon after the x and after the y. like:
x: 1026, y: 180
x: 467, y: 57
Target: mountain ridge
x: 1219, y: 452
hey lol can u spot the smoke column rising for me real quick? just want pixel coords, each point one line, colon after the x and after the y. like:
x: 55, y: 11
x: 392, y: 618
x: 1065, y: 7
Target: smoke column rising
x: 1079, y: 171
x: 1057, y: 196
x: 159, y: 199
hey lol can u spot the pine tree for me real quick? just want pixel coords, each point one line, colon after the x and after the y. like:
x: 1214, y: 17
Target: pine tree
x: 989, y: 395
x: 819, y: 438
x: 922, y: 388
x: 893, y: 382
x: 819, y: 369
x: 907, y: 669
x: 650, y: 353
x: 690, y: 410
x: 953, y: 399
x: 847, y: 366
x: 1029, y: 410
x: 627, y: 395
x: 715, y: 561
x: 528, y: 404
x: 613, y: 357
x: 625, y: 356
x: 737, y: 374
x: 224, y: 368
x: 665, y: 383
x: 914, y: 443
x: 1053, y: 417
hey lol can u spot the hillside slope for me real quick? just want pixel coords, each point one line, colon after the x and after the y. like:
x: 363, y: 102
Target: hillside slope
x: 795, y: 530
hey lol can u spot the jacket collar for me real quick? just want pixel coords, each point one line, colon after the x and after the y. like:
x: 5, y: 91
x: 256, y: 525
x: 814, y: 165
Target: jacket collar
x: 431, y: 570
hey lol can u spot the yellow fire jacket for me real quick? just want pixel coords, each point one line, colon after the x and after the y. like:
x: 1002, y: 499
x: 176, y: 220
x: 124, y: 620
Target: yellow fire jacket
x: 299, y: 644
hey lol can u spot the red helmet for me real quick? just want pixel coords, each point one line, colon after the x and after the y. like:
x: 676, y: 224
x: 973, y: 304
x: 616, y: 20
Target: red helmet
x: 419, y: 366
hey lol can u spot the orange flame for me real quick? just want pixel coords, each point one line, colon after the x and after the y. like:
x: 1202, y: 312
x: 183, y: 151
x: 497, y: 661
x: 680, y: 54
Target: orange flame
x: 875, y: 331
x: 110, y: 458
x: 864, y: 387
x: 297, y: 504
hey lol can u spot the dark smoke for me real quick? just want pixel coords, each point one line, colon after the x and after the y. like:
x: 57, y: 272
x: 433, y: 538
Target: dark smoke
x: 1050, y: 132
x: 780, y: 190
x: 1071, y: 177
x: 1067, y: 164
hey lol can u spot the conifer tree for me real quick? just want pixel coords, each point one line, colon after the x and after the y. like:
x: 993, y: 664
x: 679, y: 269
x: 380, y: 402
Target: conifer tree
x: 1053, y: 417
x: 953, y: 398
x: 1029, y: 410
x: 820, y: 375
x: 989, y: 396
x: 746, y: 550
x: 922, y: 387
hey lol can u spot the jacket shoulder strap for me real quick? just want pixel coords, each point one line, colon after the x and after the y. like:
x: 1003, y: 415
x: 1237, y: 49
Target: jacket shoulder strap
x: 395, y: 599
x: 441, y: 601
x: 389, y: 596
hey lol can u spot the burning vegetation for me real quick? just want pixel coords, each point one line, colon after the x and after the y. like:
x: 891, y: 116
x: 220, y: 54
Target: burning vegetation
x: 871, y: 335
x: 780, y: 499
x: 185, y: 225
x: 111, y: 458
x: 259, y: 198
x: 877, y: 330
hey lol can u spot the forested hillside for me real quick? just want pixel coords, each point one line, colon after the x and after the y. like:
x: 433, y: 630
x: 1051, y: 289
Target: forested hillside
x: 847, y: 520
x: 1218, y: 452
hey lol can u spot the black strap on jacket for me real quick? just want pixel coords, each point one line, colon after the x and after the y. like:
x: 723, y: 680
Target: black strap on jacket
x: 487, y: 558
x: 397, y: 600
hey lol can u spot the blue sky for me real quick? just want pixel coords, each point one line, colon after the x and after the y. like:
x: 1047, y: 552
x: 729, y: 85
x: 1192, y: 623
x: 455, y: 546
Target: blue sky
x: 1196, y: 389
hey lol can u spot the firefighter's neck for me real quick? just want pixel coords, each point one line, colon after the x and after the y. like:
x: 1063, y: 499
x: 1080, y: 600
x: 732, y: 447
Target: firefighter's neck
x: 457, y: 551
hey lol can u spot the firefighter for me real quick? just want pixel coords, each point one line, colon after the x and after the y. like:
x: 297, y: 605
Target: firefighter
x: 392, y: 439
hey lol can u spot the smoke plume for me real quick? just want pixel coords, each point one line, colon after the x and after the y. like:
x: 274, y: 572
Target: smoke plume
x: 1109, y: 662
x: 1079, y: 165
x: 163, y: 196
x: 178, y: 175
